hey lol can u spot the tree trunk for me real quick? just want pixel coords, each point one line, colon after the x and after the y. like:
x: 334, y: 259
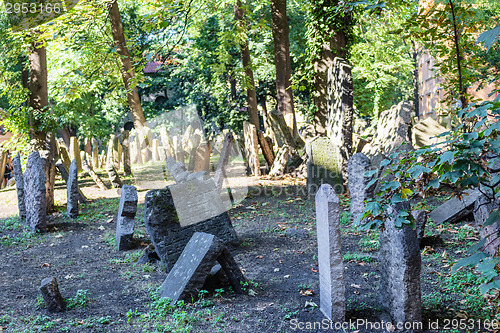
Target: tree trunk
x: 331, y: 47
x: 128, y: 72
x: 283, y: 63
x: 253, y: 112
x: 39, y: 101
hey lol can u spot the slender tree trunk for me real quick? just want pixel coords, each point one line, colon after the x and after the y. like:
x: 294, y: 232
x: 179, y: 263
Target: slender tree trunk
x: 456, y: 37
x: 253, y: 112
x: 128, y: 72
x: 415, y: 80
x: 283, y: 63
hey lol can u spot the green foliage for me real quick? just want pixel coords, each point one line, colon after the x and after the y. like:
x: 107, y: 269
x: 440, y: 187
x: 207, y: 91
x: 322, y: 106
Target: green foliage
x: 80, y: 299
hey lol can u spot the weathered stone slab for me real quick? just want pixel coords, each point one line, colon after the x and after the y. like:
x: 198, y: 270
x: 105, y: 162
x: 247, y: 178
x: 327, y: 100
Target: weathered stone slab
x: 482, y: 209
x: 169, y: 236
x: 391, y: 134
x: 18, y: 173
x: 65, y: 175
x: 127, y: 170
x: 72, y: 207
x: 331, y: 267
x: 251, y: 147
x: 324, y: 165
x: 454, y: 209
x: 74, y: 152
x: 221, y: 170
x: 113, y: 176
x: 189, y: 273
x: 177, y: 170
x: 51, y: 295
x: 63, y: 151
x: 155, y: 150
x: 399, y: 266
x: 34, y: 187
x: 359, y: 164
x: 420, y: 217
x: 95, y: 154
x: 340, y: 110
x: 426, y: 131
x: 202, y: 159
x: 279, y: 165
x: 125, y: 219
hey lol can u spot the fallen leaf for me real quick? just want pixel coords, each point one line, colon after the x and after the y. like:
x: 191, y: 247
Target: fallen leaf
x: 58, y: 236
x: 310, y: 304
x: 286, y: 276
x: 46, y: 264
x: 109, y: 220
x: 276, y: 269
x: 80, y: 322
x: 314, y: 270
x: 308, y: 292
x: 355, y: 286
x: 84, y: 246
x: 260, y: 257
x: 101, y: 228
x: 427, y: 249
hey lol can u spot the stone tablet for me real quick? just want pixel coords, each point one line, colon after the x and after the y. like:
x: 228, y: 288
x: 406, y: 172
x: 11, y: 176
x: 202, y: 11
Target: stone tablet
x: 331, y: 267
x: 399, y: 265
x: 166, y: 232
x: 125, y: 219
x: 34, y: 187
x: 177, y: 170
x: 359, y: 164
x: 18, y: 173
x: 251, y: 147
x: 191, y: 270
x: 113, y: 176
x: 454, y: 209
x: 324, y: 165
x: 72, y: 207
x: 74, y: 151
x: 51, y: 295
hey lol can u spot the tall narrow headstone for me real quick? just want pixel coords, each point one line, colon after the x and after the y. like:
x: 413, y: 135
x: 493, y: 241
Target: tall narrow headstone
x: 95, y: 154
x: 340, y: 109
x: 72, y: 207
x: 63, y: 151
x: 34, y: 187
x: 220, y: 172
x: 359, y: 164
x: 251, y: 147
x: 113, y: 176
x: 324, y: 165
x: 126, y: 152
x: 18, y: 173
x: 202, y: 159
x: 399, y: 266
x: 116, y: 152
x: 331, y: 267
x: 125, y: 220
x: 156, y: 147
x: 74, y: 151
x: 51, y: 295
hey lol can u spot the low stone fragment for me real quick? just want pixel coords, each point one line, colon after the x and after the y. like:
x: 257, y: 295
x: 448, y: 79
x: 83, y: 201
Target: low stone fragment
x: 51, y: 295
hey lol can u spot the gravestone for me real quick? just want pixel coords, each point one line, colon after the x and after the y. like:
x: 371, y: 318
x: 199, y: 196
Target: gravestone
x: 126, y: 153
x: 202, y: 159
x: 225, y: 153
x: 177, y: 170
x: 156, y: 153
x: 51, y: 295
x: 331, y: 267
x: 420, y: 217
x: 359, y: 164
x: 125, y: 219
x: 454, y: 209
x: 74, y: 152
x: 194, y: 142
x: 392, y: 133
x: 324, y: 165
x: 116, y: 152
x: 189, y: 273
x: 34, y: 189
x: 3, y: 162
x: 95, y: 154
x: 426, y: 131
x: 251, y: 147
x: 113, y: 176
x: 279, y: 165
x: 63, y: 151
x: 399, y: 266
x: 18, y: 173
x: 164, y: 227
x: 72, y: 207
x: 340, y: 110
x: 65, y: 175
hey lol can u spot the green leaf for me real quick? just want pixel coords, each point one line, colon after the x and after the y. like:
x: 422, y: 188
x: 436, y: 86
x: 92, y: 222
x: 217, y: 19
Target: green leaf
x: 485, y: 287
x: 494, y: 217
x: 447, y: 157
x: 487, y: 267
x: 472, y: 260
x: 489, y: 37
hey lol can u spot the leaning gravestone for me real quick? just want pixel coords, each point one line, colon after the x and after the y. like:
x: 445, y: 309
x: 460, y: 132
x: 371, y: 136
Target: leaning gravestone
x: 420, y: 217
x: 189, y: 273
x: 51, y: 295
x: 340, y: 109
x: 331, y: 267
x: 72, y: 207
x: 125, y: 219
x: 399, y: 265
x: 18, y: 173
x: 359, y: 164
x: 113, y: 176
x: 324, y: 165
x: 454, y: 209
x: 482, y: 209
x: 34, y: 187
x: 168, y: 234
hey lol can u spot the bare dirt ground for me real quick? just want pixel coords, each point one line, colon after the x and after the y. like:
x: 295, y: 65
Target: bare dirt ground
x: 108, y: 291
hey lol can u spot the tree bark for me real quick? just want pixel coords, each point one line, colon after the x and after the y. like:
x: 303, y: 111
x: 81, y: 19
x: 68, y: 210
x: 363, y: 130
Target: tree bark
x: 253, y: 112
x: 282, y: 62
x: 128, y: 72
x: 332, y: 45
